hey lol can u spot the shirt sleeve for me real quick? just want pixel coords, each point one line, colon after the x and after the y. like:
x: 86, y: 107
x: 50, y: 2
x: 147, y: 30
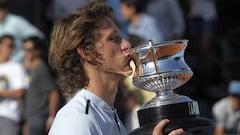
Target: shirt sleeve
x: 47, y: 82
x: 27, y: 29
x: 73, y: 124
x: 20, y: 79
x: 153, y: 31
x: 176, y: 16
x: 220, y: 112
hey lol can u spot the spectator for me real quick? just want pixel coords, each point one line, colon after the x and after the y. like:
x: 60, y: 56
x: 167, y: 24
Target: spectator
x: 29, y: 9
x: 122, y: 24
x: 202, y: 23
x: 17, y: 26
x: 169, y: 16
x: 13, y: 83
x: 142, y: 26
x: 42, y: 97
x: 227, y: 111
x: 62, y: 7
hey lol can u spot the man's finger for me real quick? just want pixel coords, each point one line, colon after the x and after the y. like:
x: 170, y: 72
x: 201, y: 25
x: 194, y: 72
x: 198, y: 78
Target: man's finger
x: 158, y: 129
x: 177, y: 132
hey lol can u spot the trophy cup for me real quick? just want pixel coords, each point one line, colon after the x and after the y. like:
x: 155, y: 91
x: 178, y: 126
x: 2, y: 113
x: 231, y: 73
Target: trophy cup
x: 161, y: 68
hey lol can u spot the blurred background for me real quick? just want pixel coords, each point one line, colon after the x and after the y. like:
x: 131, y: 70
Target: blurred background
x: 213, y: 52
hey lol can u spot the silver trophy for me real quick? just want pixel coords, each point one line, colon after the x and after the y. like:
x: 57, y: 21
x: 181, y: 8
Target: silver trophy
x: 161, y: 68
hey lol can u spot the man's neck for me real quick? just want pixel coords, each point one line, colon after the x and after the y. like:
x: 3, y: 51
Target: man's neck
x: 3, y: 60
x: 135, y: 19
x: 35, y: 62
x: 103, y: 86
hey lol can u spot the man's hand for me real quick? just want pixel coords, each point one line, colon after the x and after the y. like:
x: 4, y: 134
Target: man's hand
x: 158, y: 129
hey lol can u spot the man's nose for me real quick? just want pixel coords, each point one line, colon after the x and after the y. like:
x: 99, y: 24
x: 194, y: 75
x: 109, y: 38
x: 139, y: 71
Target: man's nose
x: 125, y: 45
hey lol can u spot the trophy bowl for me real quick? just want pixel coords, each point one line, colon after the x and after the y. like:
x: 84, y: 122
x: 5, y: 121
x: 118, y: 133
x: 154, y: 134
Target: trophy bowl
x: 161, y: 68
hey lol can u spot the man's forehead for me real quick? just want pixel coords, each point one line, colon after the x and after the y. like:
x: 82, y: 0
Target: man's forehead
x: 6, y: 39
x: 107, y: 22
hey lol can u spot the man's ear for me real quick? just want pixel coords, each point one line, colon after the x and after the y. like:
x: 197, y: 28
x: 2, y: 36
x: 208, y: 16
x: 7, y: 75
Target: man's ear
x: 89, y: 57
x: 86, y: 56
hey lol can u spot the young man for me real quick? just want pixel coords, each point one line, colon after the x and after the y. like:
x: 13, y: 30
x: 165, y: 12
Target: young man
x: 169, y: 17
x: 18, y: 27
x: 42, y: 97
x: 142, y: 26
x: 91, y: 58
x: 227, y: 111
x: 13, y: 82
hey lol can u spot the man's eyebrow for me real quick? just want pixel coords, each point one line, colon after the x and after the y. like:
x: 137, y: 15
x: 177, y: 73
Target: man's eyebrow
x: 115, y: 32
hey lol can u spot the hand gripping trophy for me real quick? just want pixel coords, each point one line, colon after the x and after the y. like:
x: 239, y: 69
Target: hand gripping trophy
x: 161, y: 68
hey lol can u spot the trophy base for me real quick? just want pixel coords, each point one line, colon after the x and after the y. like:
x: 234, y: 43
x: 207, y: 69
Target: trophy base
x: 187, y: 124
x: 183, y: 115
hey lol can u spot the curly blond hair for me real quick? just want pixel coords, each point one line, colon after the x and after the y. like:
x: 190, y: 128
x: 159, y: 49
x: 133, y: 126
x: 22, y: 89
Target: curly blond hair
x: 79, y: 29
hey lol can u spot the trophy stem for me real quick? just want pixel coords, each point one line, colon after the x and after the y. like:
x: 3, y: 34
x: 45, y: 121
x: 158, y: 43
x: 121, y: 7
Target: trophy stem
x: 164, y: 93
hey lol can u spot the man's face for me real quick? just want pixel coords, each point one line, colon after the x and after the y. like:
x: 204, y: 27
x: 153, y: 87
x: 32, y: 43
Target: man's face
x: 114, y: 50
x: 127, y: 12
x: 6, y: 48
x: 29, y: 52
x: 235, y: 102
x: 3, y: 13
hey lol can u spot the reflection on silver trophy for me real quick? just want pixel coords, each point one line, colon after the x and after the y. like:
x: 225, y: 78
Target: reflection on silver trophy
x: 161, y: 68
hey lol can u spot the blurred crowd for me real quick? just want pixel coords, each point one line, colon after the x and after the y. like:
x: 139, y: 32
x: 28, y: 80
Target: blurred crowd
x: 29, y: 93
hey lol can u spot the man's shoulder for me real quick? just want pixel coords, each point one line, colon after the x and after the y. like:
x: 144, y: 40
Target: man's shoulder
x: 222, y: 105
x: 147, y: 18
x: 74, y: 120
x: 75, y: 107
x: 13, y: 17
x: 13, y: 65
x: 70, y: 114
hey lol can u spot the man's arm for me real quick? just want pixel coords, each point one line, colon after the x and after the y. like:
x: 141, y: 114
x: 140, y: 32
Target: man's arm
x: 219, y: 131
x: 220, y: 112
x: 54, y: 99
x: 12, y: 93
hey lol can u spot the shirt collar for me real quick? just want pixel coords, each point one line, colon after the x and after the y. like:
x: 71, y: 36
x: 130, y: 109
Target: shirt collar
x: 94, y: 99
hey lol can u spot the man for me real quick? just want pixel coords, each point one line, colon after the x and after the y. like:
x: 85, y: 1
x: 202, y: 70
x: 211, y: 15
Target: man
x: 42, y: 97
x: 18, y: 27
x: 169, y: 16
x: 91, y: 58
x: 227, y: 111
x: 142, y: 26
x: 13, y: 82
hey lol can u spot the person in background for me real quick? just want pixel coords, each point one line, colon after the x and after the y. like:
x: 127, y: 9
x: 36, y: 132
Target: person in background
x: 169, y: 16
x: 42, y: 96
x: 29, y: 9
x: 142, y: 26
x: 91, y: 58
x: 227, y: 111
x: 63, y: 7
x: 134, y: 99
x: 13, y: 83
x: 202, y: 23
x: 18, y: 27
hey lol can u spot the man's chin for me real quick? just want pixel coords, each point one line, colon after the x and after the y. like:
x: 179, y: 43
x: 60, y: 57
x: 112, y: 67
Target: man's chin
x: 122, y: 73
x: 127, y: 73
